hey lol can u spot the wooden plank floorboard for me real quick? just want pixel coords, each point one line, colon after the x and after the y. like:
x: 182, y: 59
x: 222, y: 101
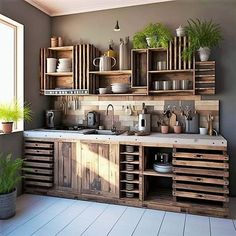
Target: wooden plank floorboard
x: 43, y: 218
x: 222, y: 227
x: 127, y: 223
x: 105, y: 221
x: 197, y: 225
x: 173, y: 224
x: 63, y: 219
x: 149, y: 223
x: 26, y: 214
x: 81, y: 223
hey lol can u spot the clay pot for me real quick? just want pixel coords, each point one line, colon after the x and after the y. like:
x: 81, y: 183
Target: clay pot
x: 177, y: 129
x: 164, y: 129
x: 7, y: 127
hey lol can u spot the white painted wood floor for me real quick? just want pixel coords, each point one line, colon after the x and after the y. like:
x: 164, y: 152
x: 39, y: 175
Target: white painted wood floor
x: 42, y: 215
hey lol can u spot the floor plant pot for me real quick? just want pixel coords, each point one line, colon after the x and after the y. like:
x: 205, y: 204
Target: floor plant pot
x: 204, y: 53
x: 7, y: 205
x: 7, y: 127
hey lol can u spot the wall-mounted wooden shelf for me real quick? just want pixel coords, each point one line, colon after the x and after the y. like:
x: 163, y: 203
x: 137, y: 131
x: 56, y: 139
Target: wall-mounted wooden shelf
x: 60, y: 74
x: 169, y: 71
x: 112, y: 72
x: 154, y: 173
x: 64, y: 48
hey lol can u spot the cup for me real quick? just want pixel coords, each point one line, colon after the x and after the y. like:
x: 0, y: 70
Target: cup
x: 161, y: 65
x: 157, y: 85
x: 185, y: 84
x: 166, y: 85
x: 203, y: 131
x: 176, y: 84
x: 51, y: 65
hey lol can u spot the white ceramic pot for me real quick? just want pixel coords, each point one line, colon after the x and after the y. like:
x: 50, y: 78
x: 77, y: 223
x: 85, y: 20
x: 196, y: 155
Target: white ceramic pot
x: 180, y: 32
x: 204, y: 53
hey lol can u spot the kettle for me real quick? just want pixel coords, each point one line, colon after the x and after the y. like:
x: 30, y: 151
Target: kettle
x: 53, y: 118
x: 93, y: 119
x: 105, y: 63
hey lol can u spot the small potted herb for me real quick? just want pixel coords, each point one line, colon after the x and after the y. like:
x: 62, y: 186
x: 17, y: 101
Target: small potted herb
x: 9, y: 178
x: 13, y: 112
x: 203, y: 35
x: 163, y: 124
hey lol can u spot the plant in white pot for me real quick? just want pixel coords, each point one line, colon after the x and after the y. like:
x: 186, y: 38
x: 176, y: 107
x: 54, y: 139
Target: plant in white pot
x: 13, y: 112
x: 10, y: 176
x: 203, y: 35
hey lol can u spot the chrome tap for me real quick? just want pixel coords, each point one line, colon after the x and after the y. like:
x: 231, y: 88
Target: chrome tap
x: 113, y: 128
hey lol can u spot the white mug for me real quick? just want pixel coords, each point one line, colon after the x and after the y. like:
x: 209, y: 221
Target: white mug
x: 203, y: 131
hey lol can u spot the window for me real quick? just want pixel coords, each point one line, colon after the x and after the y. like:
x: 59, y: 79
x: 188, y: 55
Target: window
x: 11, y: 63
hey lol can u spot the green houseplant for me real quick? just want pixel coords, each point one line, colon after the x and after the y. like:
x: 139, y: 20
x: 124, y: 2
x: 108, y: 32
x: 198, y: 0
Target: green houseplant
x: 153, y: 36
x: 9, y: 178
x: 13, y: 112
x: 203, y: 35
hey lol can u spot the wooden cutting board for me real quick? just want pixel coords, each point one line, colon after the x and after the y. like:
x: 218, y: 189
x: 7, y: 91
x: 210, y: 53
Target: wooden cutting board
x: 173, y: 120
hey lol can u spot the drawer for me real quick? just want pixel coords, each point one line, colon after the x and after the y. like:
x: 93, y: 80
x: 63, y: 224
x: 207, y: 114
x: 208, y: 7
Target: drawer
x: 37, y: 164
x: 206, y: 164
x: 200, y: 180
x: 38, y: 183
x: 38, y: 171
x: 38, y: 151
x: 202, y: 196
x: 38, y: 158
x: 38, y: 145
x: 38, y: 177
x: 200, y: 156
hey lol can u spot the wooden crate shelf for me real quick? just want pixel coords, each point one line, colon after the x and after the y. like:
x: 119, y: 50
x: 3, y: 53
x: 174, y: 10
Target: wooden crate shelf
x: 112, y: 72
x: 154, y: 173
x: 60, y: 74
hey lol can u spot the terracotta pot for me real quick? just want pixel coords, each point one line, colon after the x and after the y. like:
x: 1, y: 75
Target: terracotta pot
x: 7, y: 127
x: 177, y: 129
x: 164, y: 129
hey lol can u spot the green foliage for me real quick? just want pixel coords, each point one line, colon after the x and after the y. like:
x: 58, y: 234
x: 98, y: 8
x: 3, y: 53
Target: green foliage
x: 13, y: 112
x: 159, y: 36
x: 9, y: 173
x: 201, y: 34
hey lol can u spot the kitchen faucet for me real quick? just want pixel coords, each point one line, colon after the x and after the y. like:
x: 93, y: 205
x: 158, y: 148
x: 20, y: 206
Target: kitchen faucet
x: 113, y: 128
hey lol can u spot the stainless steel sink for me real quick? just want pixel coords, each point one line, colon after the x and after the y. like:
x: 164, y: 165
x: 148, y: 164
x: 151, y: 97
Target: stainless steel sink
x: 105, y: 132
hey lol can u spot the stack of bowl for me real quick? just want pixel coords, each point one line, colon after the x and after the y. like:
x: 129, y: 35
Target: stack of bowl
x: 119, y: 88
x: 64, y: 65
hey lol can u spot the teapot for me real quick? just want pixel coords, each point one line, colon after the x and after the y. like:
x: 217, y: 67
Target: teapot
x: 105, y: 63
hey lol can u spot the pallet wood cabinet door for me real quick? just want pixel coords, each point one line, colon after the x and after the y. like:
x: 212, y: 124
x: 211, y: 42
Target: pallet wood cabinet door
x: 99, y: 169
x: 66, y: 166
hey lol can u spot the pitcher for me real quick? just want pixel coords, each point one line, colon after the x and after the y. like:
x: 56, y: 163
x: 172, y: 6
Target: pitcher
x: 105, y: 63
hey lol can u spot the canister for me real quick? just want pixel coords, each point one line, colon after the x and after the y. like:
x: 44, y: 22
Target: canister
x: 176, y: 84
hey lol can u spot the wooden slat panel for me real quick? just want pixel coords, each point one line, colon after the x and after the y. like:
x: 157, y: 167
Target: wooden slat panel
x: 179, y: 53
x: 201, y: 180
x: 205, y: 164
x: 200, y: 156
x: 175, y: 53
x: 36, y: 183
x: 38, y: 145
x: 38, y: 158
x: 38, y: 151
x: 37, y: 164
x: 38, y: 177
x: 200, y: 188
x: 198, y: 171
x: 38, y: 171
x: 185, y: 42
x: 114, y: 169
x: 202, y: 196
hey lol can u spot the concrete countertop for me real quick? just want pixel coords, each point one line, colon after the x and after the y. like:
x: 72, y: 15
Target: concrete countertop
x: 168, y: 139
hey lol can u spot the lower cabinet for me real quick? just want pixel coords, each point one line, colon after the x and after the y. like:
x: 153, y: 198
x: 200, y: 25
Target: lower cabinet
x: 99, y: 168
x: 66, y: 166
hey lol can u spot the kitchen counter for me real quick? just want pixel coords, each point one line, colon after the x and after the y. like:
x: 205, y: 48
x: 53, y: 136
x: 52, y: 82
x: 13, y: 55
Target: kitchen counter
x: 167, y: 139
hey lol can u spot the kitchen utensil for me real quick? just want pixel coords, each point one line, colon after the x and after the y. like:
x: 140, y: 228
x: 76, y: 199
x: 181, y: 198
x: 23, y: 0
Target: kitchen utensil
x: 166, y: 85
x: 102, y: 90
x: 192, y: 123
x: 164, y: 158
x: 176, y: 84
x: 184, y: 84
x: 144, y: 120
x: 203, y: 131
x: 129, y: 177
x: 93, y: 120
x: 129, y: 158
x: 53, y: 118
x: 105, y: 63
x: 124, y: 54
x: 51, y: 65
x: 129, y: 148
x: 162, y: 168
x: 120, y: 87
x: 157, y: 85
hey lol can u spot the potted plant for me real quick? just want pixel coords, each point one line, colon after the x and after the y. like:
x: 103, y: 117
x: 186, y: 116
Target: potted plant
x: 153, y: 36
x: 13, y: 112
x: 163, y: 124
x: 9, y: 178
x: 203, y: 35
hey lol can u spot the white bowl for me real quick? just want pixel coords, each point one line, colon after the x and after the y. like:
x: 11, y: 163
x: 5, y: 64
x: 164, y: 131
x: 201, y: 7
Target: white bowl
x: 119, y: 90
x: 162, y: 168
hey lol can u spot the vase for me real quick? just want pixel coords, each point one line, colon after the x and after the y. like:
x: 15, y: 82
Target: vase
x: 204, y: 53
x: 7, y: 205
x: 7, y: 127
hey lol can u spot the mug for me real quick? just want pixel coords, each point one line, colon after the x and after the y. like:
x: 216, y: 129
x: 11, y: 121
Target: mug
x: 203, y: 131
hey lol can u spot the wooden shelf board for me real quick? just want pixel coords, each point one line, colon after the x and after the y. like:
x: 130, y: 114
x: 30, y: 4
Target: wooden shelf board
x: 205, y: 69
x: 130, y: 162
x: 130, y: 181
x: 154, y: 173
x: 205, y: 62
x: 171, y: 91
x: 112, y: 72
x: 130, y: 191
x: 168, y: 71
x: 139, y: 87
x: 121, y: 94
x: 65, y: 48
x: 130, y: 153
x: 205, y: 82
x: 60, y: 74
x: 200, y: 76
x: 130, y: 171
x: 158, y: 49
x: 209, y: 88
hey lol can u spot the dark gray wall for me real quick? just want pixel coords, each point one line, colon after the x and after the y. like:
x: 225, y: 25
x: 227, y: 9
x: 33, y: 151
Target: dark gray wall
x: 37, y: 32
x: 97, y: 28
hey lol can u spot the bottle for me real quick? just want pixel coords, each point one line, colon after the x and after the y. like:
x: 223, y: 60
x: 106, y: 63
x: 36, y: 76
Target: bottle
x: 124, y: 54
x: 110, y: 52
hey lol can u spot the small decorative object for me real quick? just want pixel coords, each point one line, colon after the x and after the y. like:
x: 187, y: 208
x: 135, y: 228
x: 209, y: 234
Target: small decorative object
x: 60, y: 42
x: 117, y: 27
x: 203, y: 131
x: 203, y: 35
x: 54, y: 42
x: 13, y: 112
x: 210, y: 119
x: 124, y: 54
x: 164, y: 129
x: 177, y: 128
x: 153, y: 36
x: 180, y: 32
x: 9, y: 178
x: 111, y: 52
